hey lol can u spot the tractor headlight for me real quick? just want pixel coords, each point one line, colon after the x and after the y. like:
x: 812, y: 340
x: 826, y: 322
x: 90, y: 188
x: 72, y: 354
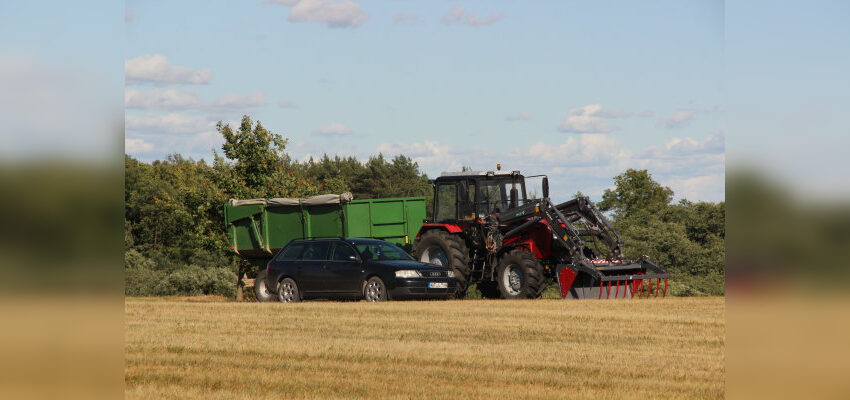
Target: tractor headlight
x: 450, y: 273
x: 407, y: 273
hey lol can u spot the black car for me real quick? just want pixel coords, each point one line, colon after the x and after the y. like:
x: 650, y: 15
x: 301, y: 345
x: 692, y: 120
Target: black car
x: 354, y: 269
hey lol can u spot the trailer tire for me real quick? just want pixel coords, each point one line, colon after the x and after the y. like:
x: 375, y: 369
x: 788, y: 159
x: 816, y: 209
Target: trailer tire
x: 261, y: 289
x: 455, y: 255
x: 519, y: 275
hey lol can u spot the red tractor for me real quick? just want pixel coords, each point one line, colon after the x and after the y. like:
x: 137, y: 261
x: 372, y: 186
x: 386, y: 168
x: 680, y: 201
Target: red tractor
x: 491, y: 234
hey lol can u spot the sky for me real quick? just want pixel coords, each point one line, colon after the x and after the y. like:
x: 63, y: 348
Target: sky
x: 578, y: 90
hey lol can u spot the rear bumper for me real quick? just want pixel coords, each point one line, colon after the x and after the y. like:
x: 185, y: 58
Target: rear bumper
x: 417, y: 288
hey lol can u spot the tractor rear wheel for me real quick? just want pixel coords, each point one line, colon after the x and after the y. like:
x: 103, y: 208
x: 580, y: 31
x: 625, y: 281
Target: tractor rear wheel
x: 439, y: 247
x: 519, y: 275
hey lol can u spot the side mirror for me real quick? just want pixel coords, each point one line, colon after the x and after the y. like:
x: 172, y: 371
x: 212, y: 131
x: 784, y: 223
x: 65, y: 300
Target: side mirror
x: 546, y: 187
x: 352, y: 258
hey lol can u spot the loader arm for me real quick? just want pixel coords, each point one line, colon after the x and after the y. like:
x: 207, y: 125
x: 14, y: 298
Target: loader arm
x: 599, y: 225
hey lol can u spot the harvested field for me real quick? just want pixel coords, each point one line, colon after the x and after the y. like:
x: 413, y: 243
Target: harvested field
x: 483, y: 349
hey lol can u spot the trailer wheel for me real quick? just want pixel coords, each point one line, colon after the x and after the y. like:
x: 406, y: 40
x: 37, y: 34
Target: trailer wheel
x: 488, y: 289
x: 288, y: 291
x: 261, y: 290
x: 439, y: 247
x: 520, y: 275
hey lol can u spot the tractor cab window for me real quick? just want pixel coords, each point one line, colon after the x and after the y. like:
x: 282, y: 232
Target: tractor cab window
x: 496, y: 196
x: 446, y: 209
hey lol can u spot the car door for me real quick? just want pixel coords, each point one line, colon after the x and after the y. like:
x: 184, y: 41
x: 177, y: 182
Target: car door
x: 344, y: 265
x: 311, y: 268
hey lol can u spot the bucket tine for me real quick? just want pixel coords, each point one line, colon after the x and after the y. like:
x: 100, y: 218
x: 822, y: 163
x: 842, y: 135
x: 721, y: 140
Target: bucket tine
x: 617, y: 292
x: 665, y: 288
x: 608, y: 291
x: 600, y: 288
x: 657, y: 286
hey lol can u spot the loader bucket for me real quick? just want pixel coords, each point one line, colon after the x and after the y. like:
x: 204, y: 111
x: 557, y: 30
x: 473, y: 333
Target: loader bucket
x: 603, y: 279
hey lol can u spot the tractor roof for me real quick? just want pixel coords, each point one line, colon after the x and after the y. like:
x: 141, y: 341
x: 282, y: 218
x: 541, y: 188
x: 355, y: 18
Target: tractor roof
x: 477, y: 173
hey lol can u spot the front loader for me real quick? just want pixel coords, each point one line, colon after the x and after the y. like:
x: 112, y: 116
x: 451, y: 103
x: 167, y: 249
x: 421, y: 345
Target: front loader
x: 487, y: 229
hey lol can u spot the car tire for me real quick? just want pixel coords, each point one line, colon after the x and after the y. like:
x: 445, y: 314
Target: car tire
x: 287, y: 291
x: 261, y: 289
x: 437, y: 246
x: 375, y: 290
x: 519, y: 275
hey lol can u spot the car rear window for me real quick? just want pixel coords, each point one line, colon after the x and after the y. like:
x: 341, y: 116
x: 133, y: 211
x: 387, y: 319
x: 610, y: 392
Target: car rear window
x: 293, y: 252
x: 316, y: 251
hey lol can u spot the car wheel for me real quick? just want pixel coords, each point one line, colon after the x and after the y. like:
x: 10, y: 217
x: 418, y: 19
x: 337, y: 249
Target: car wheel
x: 375, y: 290
x: 288, y: 291
x: 261, y: 290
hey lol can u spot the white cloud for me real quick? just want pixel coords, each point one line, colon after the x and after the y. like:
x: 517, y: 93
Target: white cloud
x: 334, y: 129
x: 582, y: 162
x: 590, y: 119
x: 687, y: 147
x: 168, y: 123
x: 402, y: 18
x: 287, y: 104
x: 646, y: 114
x: 154, y: 68
x: 705, y: 187
x: 459, y: 16
x: 522, y: 116
x: 173, y: 99
x: 160, y: 99
x: 336, y: 14
x: 238, y: 102
x: 431, y: 156
x: 136, y: 146
x: 679, y: 119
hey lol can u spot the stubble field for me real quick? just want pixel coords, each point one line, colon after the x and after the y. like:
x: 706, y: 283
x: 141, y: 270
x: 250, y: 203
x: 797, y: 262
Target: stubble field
x: 477, y: 349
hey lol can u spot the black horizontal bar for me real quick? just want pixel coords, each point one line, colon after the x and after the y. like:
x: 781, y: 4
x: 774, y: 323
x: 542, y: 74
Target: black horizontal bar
x: 636, y: 277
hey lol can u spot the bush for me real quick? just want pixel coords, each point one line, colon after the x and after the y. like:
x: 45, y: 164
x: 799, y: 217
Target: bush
x: 193, y: 281
x: 143, y: 278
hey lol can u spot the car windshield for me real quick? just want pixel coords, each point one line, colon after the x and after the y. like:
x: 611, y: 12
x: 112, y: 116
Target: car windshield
x: 381, y: 251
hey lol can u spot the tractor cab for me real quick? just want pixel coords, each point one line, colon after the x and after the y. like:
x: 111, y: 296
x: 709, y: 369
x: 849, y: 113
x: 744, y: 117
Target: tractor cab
x: 470, y: 195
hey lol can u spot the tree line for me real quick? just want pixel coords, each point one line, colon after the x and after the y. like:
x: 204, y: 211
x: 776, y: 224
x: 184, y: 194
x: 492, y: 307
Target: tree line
x: 175, y: 240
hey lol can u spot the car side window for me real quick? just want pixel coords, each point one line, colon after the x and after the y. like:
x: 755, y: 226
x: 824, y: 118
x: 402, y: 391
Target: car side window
x: 316, y: 251
x: 291, y: 253
x: 343, y: 252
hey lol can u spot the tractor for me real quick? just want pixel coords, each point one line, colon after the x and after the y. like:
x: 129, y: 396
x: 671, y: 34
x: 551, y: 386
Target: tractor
x: 487, y: 229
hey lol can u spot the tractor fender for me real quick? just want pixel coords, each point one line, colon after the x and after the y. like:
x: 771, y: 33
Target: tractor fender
x: 510, y: 246
x: 450, y: 228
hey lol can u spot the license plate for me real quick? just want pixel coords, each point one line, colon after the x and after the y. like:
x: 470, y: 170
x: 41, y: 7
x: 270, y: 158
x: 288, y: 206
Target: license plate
x: 438, y: 285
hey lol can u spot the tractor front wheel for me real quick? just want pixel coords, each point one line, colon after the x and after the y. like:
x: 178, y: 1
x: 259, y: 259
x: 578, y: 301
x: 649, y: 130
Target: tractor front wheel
x: 439, y: 247
x: 519, y: 275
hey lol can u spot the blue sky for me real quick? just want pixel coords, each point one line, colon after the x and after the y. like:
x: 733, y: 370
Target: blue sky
x: 580, y: 90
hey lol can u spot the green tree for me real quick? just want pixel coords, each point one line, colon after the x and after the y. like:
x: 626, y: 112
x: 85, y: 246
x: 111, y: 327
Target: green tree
x: 256, y: 151
x: 635, y: 192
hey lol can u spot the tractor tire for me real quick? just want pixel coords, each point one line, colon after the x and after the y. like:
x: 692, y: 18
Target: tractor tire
x: 519, y: 275
x: 437, y: 246
x: 488, y: 289
x: 261, y: 290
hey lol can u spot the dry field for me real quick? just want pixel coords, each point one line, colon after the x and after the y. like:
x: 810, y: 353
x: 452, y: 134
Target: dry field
x: 550, y: 349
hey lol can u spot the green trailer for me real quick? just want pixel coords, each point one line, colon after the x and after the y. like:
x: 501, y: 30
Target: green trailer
x: 258, y: 228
